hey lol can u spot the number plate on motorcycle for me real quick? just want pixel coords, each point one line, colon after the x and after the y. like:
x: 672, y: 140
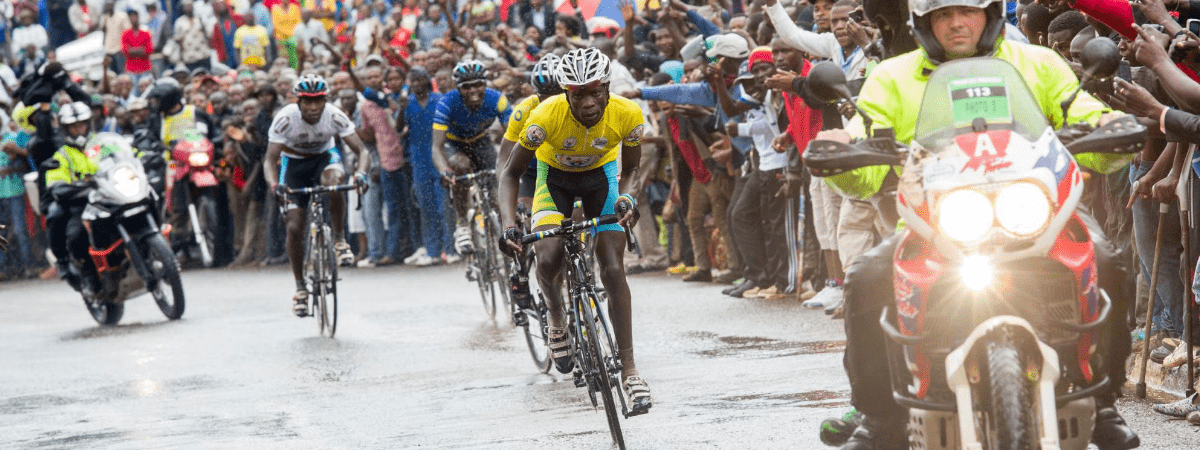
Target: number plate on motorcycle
x: 975, y: 98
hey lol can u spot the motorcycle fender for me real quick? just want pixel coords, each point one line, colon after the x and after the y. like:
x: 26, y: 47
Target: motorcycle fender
x: 1043, y: 396
x: 203, y: 178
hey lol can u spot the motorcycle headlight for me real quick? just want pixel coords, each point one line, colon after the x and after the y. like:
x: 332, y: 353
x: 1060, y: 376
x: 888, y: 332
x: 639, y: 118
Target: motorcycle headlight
x: 976, y: 272
x: 125, y: 182
x: 198, y: 159
x: 1022, y: 208
x: 965, y: 215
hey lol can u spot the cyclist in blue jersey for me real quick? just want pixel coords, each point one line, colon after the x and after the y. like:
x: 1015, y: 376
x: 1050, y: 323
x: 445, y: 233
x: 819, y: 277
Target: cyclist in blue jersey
x: 460, y: 141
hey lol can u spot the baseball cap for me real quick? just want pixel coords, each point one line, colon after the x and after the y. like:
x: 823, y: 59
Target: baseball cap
x: 729, y: 46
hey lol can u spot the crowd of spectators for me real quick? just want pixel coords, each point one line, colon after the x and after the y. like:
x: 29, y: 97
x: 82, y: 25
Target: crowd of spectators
x: 722, y: 170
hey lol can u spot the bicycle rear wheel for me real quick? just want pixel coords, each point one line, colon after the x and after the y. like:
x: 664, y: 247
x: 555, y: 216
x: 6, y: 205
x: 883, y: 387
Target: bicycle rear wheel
x: 483, y: 262
x: 603, y: 380
x: 535, y: 330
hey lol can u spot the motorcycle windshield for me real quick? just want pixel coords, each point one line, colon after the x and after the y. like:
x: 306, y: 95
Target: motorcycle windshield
x: 104, y: 145
x: 976, y: 95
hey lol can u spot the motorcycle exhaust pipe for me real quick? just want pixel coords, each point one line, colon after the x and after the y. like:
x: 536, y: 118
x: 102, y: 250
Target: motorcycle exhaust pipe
x: 1163, y: 209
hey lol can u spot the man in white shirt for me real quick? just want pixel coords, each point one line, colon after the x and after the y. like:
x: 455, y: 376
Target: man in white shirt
x: 29, y: 32
x: 309, y: 32
x: 364, y: 31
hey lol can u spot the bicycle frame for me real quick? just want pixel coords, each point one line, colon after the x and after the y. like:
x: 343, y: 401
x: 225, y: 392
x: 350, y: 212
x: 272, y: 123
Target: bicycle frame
x: 320, y: 251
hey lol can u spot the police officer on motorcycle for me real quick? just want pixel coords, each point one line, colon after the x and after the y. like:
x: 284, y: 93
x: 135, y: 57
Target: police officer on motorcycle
x: 66, y: 180
x: 946, y: 30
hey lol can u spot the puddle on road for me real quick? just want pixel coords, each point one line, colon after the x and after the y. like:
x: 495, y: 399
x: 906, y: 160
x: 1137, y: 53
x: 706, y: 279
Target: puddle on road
x: 326, y: 360
x: 49, y: 439
x: 489, y: 337
x: 764, y: 347
x: 26, y: 403
x: 818, y: 398
x: 119, y: 330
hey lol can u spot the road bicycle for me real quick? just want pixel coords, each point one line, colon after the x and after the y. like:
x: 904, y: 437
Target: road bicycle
x: 486, y: 266
x: 320, y: 262
x: 597, y: 360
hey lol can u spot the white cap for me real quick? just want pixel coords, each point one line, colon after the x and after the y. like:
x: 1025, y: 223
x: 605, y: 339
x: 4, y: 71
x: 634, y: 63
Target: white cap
x: 728, y: 45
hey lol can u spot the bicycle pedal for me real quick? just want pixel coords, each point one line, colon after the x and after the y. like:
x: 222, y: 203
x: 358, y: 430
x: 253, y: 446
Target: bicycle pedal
x: 579, y: 381
x: 519, y: 319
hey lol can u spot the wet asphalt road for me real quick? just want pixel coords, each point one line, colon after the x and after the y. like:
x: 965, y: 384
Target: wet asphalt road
x: 415, y: 365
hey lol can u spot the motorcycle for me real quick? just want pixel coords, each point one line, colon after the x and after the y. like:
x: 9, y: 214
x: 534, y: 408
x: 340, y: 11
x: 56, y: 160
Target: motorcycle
x: 192, y: 159
x: 993, y: 335
x: 129, y: 250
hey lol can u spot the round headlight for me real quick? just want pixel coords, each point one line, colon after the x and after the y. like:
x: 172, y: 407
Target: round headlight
x: 198, y: 159
x: 125, y: 182
x: 1022, y: 208
x: 965, y: 215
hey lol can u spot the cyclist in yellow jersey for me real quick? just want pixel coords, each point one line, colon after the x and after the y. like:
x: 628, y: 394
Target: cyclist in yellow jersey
x: 545, y: 85
x: 576, y: 138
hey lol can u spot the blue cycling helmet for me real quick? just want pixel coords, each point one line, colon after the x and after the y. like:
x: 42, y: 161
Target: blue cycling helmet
x: 470, y: 70
x: 311, y: 86
x: 543, y: 76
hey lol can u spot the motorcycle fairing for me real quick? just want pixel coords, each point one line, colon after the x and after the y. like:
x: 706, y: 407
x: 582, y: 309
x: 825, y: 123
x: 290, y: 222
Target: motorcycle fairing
x: 203, y: 178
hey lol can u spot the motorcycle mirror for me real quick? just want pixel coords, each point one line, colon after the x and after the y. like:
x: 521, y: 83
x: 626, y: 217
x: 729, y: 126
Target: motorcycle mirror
x: 1100, y: 58
x: 827, y: 83
x: 50, y: 164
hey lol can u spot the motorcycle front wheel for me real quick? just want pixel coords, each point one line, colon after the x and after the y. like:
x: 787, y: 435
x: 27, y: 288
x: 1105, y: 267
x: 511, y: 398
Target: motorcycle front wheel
x: 1011, y: 419
x: 105, y: 313
x: 169, y: 294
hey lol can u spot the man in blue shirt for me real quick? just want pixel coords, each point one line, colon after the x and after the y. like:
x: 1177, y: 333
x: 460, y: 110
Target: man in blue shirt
x: 13, y: 164
x: 460, y: 138
x: 418, y: 121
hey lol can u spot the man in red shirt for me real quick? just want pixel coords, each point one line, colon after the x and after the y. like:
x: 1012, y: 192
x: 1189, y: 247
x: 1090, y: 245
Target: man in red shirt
x: 137, y: 45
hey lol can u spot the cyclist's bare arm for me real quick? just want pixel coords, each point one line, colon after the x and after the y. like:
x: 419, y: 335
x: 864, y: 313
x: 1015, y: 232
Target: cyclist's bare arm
x: 510, y: 180
x: 439, y: 152
x: 631, y: 156
x: 271, y: 163
x: 356, y: 145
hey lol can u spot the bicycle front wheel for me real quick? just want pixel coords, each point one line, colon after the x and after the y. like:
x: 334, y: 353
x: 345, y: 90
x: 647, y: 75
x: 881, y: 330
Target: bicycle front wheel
x: 603, y: 380
x: 318, y: 265
x: 535, y: 329
x: 329, y: 303
x: 482, y: 263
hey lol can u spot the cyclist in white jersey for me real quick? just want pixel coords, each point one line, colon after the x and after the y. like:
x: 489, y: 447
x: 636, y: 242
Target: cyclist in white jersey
x: 302, y: 139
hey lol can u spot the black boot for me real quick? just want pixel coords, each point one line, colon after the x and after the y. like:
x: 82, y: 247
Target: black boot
x: 1111, y: 432
x: 63, y: 267
x: 879, y: 433
x: 745, y: 286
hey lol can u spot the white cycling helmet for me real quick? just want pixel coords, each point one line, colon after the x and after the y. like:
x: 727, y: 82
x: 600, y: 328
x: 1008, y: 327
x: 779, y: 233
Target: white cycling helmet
x: 73, y: 113
x: 583, y: 66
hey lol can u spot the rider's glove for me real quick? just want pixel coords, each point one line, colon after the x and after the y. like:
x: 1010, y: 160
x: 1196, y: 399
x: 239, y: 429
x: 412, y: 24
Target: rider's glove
x: 360, y: 178
x: 280, y: 190
x: 511, y: 234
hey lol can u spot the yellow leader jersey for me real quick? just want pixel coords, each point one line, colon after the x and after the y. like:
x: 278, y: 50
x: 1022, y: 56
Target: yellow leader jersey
x: 563, y: 143
x: 516, y: 122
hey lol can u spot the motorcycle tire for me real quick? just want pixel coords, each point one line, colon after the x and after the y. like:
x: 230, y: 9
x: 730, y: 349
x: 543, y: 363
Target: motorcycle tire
x: 1012, y: 425
x: 106, y: 314
x: 207, y: 208
x: 162, y: 263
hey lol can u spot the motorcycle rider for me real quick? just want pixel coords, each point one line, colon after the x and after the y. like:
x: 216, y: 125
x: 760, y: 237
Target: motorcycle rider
x: 172, y: 119
x: 947, y: 30
x: 68, y: 238
x: 35, y: 93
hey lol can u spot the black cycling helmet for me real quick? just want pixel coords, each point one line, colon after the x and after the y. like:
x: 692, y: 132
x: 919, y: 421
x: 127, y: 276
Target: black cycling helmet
x: 544, y: 78
x: 311, y: 86
x: 167, y: 95
x: 470, y: 70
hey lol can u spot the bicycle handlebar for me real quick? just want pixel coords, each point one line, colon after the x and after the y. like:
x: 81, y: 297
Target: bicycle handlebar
x: 320, y: 189
x: 569, y: 229
x: 471, y: 176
